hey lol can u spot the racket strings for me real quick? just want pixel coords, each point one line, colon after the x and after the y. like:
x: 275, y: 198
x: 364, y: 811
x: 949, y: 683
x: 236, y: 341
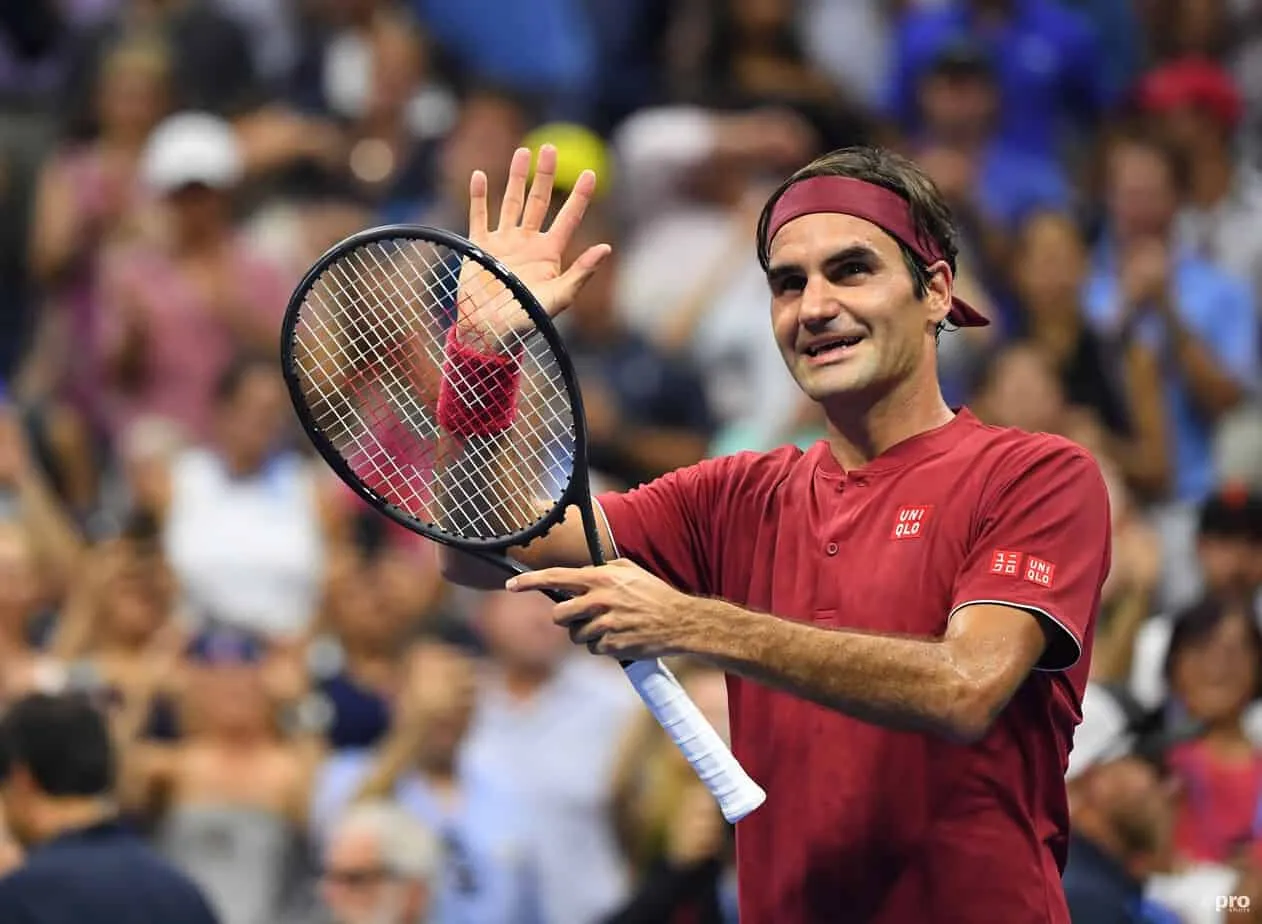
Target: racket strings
x: 371, y: 356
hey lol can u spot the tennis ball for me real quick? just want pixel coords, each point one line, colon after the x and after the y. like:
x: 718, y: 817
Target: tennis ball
x: 578, y: 149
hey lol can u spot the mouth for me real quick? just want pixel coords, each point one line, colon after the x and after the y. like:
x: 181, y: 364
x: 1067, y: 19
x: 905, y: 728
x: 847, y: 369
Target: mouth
x: 832, y: 348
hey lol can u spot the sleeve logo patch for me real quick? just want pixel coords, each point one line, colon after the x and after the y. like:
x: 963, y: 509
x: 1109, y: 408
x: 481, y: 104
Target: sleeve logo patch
x: 911, y: 521
x: 1038, y: 571
x: 1003, y: 562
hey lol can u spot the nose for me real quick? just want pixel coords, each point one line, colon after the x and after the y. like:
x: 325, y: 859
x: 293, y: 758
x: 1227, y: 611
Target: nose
x: 819, y: 304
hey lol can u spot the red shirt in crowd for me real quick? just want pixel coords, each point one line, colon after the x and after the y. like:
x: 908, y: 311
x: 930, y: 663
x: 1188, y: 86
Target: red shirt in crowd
x: 863, y: 823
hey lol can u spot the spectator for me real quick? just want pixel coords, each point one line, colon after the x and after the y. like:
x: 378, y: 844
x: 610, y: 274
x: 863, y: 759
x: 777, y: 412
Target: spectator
x: 959, y: 103
x: 1214, y: 668
x: 543, y: 710
x: 89, y: 198
x: 488, y: 875
x: 646, y: 412
x: 381, y: 866
x: 245, y: 524
x: 83, y: 866
x: 672, y: 832
x: 1229, y: 567
x: 1198, y: 318
x: 1122, y: 818
x: 1046, y: 59
x: 229, y: 796
x: 177, y: 308
x: 691, y: 181
x: 1050, y: 267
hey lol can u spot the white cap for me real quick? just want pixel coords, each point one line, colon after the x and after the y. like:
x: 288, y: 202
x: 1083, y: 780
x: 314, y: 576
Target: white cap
x: 1103, y: 735
x: 192, y: 147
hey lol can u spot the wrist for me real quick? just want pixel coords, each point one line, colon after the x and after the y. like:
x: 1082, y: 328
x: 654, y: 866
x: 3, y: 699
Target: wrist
x: 718, y: 631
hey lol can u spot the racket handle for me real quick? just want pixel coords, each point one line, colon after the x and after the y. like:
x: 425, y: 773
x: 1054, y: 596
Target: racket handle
x: 736, y: 794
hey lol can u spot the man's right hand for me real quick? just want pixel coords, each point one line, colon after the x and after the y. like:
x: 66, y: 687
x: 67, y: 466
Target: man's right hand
x: 523, y: 246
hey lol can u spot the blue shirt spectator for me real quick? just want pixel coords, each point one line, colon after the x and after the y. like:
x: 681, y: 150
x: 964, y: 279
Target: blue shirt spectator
x: 1012, y: 185
x: 544, y: 47
x: 486, y: 876
x: 1046, y: 61
x: 1215, y: 307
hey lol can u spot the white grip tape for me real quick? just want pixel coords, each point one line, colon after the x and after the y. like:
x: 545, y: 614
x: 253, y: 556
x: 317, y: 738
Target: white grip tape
x: 700, y: 742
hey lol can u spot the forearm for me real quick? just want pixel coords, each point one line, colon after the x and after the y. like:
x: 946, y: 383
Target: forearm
x: 903, y: 683
x: 393, y: 759
x: 56, y: 539
x: 1144, y: 457
x: 1212, y: 389
x: 1114, y: 644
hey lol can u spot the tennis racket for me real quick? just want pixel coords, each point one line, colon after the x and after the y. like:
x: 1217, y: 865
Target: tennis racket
x: 465, y: 426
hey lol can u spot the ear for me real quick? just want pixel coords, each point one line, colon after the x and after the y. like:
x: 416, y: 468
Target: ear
x: 938, y: 295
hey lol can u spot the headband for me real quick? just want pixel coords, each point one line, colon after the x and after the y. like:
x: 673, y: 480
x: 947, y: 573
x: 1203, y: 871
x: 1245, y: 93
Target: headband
x: 883, y: 207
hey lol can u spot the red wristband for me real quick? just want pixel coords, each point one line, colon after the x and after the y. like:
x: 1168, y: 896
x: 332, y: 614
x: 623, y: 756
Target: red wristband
x: 478, y: 395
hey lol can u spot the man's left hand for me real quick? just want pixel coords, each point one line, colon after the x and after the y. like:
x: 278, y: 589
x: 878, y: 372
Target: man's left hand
x: 621, y: 610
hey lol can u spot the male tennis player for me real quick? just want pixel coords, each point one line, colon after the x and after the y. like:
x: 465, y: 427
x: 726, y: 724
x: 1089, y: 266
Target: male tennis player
x: 905, y: 610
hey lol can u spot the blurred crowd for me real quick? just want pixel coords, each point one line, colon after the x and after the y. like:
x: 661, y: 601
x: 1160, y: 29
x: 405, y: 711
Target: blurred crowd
x: 309, y: 721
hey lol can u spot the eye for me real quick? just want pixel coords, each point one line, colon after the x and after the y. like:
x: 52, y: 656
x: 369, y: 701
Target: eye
x: 849, y: 269
x: 790, y: 282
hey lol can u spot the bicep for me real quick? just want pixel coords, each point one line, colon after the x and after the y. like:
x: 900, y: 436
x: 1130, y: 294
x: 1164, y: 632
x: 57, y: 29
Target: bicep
x: 998, y: 644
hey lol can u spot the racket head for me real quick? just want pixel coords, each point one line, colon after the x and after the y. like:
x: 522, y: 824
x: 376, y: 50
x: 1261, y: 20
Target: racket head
x: 307, y: 378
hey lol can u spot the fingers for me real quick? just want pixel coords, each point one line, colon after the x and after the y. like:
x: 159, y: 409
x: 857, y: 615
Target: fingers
x: 581, y: 270
x: 541, y: 189
x: 477, y: 207
x: 570, y: 580
x: 571, y: 213
x: 515, y: 190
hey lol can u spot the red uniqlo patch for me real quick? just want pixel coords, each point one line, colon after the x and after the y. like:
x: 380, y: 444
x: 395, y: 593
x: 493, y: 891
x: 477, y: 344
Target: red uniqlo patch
x: 1002, y: 562
x: 910, y: 522
x: 1038, y: 571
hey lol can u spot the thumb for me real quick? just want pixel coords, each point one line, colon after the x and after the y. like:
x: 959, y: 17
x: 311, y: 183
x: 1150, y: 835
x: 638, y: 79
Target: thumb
x: 581, y: 270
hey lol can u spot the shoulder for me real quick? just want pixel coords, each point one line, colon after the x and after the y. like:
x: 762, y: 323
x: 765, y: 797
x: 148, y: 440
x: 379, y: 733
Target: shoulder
x: 1006, y: 457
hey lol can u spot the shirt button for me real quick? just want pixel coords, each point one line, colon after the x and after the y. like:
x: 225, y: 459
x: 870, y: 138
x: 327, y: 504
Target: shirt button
x: 831, y: 548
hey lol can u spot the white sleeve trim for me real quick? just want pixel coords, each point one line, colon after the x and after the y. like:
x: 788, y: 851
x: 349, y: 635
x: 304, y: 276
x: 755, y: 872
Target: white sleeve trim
x: 1038, y: 611
x: 609, y: 529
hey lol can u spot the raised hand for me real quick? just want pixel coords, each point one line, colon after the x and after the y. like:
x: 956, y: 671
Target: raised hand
x: 520, y: 242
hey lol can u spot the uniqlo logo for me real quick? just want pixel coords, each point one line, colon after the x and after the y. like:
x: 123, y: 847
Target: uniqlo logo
x: 1002, y: 562
x: 1038, y: 571
x: 910, y: 523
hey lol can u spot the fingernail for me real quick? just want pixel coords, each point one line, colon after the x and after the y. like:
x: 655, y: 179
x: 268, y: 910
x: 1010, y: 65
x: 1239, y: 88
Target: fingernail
x: 510, y: 584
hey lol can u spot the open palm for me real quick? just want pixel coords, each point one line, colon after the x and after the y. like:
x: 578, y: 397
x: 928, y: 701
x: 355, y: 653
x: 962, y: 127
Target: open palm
x: 519, y: 240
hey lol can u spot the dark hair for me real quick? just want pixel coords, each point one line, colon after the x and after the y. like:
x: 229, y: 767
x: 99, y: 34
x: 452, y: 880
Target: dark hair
x: 1198, y: 622
x: 930, y: 213
x: 63, y: 741
x: 237, y: 371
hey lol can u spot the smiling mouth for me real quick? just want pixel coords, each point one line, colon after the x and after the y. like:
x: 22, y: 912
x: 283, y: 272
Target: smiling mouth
x: 832, y: 348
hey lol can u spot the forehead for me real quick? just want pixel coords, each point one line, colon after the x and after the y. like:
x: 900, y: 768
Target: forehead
x: 352, y: 847
x: 816, y: 237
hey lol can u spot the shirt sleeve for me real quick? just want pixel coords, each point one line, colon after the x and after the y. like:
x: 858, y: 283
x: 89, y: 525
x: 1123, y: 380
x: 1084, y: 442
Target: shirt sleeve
x: 1043, y: 545
x: 669, y: 525
x: 1235, y: 334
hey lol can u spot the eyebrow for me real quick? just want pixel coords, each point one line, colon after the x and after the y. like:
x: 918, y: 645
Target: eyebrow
x: 845, y: 255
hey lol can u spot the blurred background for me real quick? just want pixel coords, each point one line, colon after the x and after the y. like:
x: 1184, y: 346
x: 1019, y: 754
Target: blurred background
x: 272, y: 654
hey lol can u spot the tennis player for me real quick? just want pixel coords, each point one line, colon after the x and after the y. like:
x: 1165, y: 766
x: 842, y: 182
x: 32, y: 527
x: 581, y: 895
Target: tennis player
x: 905, y: 610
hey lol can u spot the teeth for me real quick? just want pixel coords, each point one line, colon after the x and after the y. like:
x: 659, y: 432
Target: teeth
x: 831, y: 344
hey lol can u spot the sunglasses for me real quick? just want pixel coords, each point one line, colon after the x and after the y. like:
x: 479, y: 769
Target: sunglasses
x: 356, y: 878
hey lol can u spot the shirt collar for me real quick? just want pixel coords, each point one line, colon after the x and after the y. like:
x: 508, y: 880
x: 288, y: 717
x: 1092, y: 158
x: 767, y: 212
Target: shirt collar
x: 910, y: 451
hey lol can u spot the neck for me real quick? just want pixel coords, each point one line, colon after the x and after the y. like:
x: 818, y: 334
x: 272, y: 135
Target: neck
x: 1227, y: 739
x: 439, y: 770
x: 1055, y: 328
x: 522, y: 683
x: 61, y: 816
x: 1211, y: 178
x: 859, y: 431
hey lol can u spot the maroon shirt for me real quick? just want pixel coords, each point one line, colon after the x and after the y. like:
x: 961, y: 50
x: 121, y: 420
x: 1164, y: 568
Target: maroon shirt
x: 863, y: 823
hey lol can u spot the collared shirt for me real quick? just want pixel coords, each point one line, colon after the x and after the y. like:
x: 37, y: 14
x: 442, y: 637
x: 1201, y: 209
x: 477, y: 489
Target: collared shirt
x: 1219, y: 310
x: 486, y: 870
x: 863, y: 822
x: 560, y: 747
x: 102, y: 874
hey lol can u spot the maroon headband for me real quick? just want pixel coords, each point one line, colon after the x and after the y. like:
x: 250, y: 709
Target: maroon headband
x: 883, y: 207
